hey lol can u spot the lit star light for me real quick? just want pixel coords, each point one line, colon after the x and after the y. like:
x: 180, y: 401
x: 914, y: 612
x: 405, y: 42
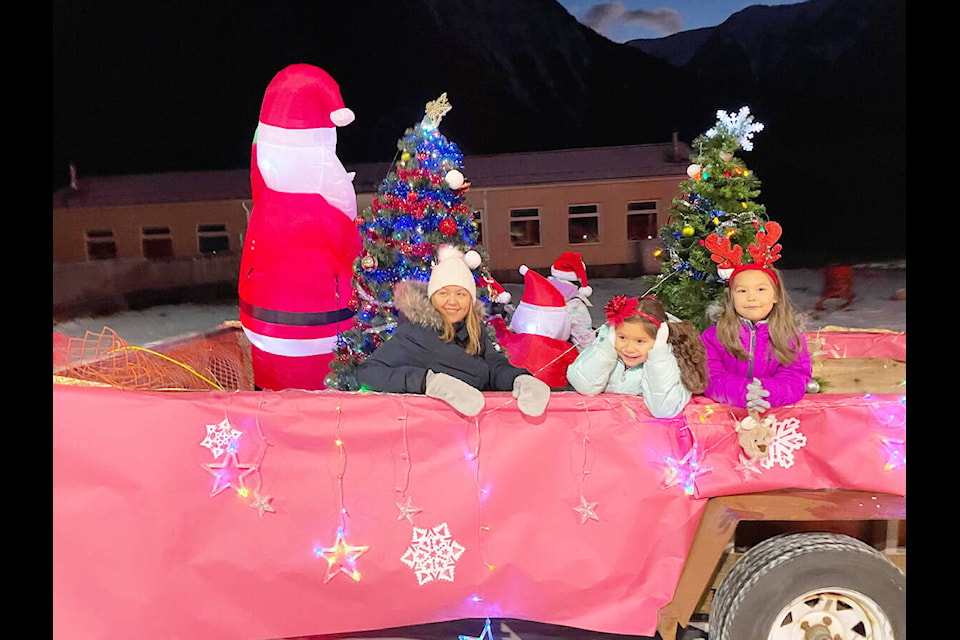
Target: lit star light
x: 586, y: 510
x: 229, y: 473
x: 685, y: 471
x: 341, y: 558
x: 486, y: 635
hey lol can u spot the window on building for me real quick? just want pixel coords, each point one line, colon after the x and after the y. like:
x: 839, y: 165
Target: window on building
x: 213, y: 238
x: 583, y: 224
x: 641, y: 221
x: 101, y: 245
x: 478, y: 218
x: 156, y: 242
x: 525, y: 227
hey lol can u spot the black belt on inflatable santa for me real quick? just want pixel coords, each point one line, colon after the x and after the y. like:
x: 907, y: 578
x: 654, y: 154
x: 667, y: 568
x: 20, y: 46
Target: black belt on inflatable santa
x: 537, y: 338
x: 301, y: 241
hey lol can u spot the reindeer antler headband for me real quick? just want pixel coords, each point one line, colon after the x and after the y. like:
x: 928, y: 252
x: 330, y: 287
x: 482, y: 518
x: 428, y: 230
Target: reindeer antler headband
x: 764, y: 251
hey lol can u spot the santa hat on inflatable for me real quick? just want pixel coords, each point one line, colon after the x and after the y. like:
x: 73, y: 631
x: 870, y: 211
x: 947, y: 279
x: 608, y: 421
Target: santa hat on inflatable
x: 542, y: 309
x: 570, y: 267
x: 297, y: 136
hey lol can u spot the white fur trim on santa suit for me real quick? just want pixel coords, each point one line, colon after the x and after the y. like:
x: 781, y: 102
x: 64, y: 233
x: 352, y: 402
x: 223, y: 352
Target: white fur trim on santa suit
x: 542, y: 308
x: 305, y: 161
x: 552, y: 322
x: 291, y: 348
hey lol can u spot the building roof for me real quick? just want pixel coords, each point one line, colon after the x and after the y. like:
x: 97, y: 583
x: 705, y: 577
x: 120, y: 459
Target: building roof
x: 483, y: 171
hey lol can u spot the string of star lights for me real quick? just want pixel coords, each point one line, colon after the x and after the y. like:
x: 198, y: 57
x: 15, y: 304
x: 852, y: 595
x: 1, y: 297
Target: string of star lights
x: 407, y: 510
x: 223, y: 440
x: 586, y: 509
x: 341, y: 556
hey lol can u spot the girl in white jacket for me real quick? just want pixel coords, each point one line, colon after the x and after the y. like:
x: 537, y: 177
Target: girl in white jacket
x: 638, y: 352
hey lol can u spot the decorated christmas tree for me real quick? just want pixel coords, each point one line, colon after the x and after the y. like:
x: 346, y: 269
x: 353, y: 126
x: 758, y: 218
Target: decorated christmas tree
x: 717, y: 198
x: 419, y: 207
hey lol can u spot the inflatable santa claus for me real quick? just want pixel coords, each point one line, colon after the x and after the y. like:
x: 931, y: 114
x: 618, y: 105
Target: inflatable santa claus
x: 539, y: 330
x: 301, y: 241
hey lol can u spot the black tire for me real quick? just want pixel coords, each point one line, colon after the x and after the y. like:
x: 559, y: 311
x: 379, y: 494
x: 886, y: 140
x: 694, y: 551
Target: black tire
x: 838, y: 586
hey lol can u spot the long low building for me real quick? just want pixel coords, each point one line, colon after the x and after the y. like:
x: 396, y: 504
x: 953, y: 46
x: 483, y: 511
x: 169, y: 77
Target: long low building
x: 605, y: 203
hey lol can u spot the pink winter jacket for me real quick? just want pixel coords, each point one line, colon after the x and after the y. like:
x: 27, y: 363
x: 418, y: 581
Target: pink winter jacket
x: 728, y: 376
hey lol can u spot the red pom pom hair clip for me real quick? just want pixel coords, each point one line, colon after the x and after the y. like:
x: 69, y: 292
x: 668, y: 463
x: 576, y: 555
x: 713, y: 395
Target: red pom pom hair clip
x: 619, y: 308
x: 764, y: 251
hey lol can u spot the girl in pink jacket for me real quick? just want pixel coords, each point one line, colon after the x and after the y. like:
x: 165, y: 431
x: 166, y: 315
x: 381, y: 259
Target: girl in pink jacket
x: 757, y: 355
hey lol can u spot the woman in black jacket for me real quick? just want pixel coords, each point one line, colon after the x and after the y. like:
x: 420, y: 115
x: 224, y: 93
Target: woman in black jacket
x: 439, y: 347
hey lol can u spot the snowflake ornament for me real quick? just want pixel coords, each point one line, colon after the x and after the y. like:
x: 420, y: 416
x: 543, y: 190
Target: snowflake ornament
x: 787, y: 439
x: 433, y: 554
x: 740, y: 125
x: 221, y: 438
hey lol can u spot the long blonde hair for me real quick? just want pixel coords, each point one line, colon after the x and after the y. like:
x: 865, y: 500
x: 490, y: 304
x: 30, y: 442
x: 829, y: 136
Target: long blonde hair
x: 784, y: 326
x: 474, y: 330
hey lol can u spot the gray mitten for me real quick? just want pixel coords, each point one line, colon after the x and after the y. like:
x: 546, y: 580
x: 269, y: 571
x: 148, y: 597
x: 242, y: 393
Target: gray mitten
x: 455, y: 392
x: 755, y: 397
x: 532, y: 395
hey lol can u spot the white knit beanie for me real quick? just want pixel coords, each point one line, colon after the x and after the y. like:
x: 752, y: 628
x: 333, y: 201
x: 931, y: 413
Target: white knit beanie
x: 451, y: 269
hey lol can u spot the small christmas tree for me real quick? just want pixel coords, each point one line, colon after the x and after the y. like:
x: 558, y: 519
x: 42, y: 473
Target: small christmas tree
x: 419, y: 207
x: 717, y: 198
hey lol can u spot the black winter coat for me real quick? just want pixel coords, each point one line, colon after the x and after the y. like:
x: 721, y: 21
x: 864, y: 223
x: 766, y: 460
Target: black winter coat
x: 400, y: 364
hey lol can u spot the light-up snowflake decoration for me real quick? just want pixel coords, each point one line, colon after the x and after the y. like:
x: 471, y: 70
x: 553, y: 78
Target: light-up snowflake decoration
x: 433, y: 554
x: 740, y: 126
x: 786, y: 439
x: 221, y: 438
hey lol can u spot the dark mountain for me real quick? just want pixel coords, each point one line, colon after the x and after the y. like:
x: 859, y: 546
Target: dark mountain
x: 828, y: 79
x: 151, y: 86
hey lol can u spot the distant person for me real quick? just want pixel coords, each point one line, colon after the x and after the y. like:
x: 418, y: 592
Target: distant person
x: 568, y: 274
x: 439, y: 347
x: 640, y: 352
x: 757, y: 354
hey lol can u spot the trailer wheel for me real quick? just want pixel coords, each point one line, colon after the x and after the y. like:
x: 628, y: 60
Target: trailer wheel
x: 811, y: 586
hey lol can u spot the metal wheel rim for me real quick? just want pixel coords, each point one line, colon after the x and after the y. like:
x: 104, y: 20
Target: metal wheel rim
x: 831, y: 614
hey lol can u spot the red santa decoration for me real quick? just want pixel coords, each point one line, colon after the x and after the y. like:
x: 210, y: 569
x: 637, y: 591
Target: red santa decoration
x: 301, y: 241
x: 539, y: 329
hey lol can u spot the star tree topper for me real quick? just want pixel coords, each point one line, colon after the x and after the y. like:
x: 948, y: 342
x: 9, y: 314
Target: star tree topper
x: 438, y: 108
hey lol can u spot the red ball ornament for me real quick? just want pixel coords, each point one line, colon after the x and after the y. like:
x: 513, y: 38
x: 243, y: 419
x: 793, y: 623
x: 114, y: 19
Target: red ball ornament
x: 412, y: 196
x: 447, y: 226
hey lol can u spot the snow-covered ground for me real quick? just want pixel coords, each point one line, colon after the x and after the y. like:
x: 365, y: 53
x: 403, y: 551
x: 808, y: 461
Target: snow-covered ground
x: 880, y: 303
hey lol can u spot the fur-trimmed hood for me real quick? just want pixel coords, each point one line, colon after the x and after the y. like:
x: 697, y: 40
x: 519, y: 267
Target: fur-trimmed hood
x: 410, y: 298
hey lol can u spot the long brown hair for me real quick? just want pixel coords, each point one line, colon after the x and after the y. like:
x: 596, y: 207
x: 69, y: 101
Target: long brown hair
x: 683, y: 337
x: 783, y: 324
x: 474, y: 331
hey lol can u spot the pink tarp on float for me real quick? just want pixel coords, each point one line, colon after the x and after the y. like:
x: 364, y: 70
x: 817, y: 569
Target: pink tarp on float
x: 140, y: 542
x: 838, y: 441
x: 141, y: 546
x: 859, y: 344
